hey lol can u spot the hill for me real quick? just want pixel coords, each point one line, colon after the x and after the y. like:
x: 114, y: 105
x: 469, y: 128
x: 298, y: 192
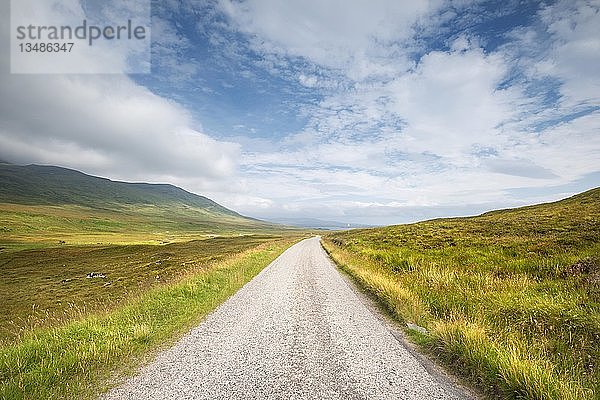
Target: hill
x: 37, y: 184
x: 46, y: 205
x: 510, y: 298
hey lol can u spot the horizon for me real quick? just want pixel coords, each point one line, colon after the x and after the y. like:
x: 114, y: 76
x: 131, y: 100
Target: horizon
x: 365, y: 113
x: 316, y: 223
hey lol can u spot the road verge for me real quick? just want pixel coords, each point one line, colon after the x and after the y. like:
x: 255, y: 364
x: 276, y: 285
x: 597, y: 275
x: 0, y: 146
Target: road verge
x: 82, y: 358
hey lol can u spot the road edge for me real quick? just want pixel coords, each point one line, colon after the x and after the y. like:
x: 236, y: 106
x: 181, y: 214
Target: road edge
x: 438, y: 372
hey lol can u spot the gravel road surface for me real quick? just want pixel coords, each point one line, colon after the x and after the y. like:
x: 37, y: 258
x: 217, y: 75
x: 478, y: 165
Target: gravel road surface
x: 296, y: 331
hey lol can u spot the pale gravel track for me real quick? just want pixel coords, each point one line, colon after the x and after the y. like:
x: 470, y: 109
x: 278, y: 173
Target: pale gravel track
x: 296, y: 331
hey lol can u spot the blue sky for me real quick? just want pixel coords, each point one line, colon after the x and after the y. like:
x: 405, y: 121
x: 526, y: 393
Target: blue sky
x: 373, y: 112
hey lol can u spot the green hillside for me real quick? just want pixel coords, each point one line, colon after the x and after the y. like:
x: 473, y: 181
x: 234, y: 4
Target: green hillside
x: 49, y: 185
x: 47, y: 205
x: 510, y: 298
x: 539, y: 229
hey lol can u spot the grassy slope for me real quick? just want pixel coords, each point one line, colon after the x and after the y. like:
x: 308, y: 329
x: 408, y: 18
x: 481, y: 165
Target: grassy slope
x: 76, y: 360
x: 45, y: 206
x: 26, y: 226
x: 37, y: 184
x: 511, y: 298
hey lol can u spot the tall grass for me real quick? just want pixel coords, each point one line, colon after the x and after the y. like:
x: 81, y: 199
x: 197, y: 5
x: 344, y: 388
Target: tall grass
x: 510, y: 299
x: 48, y: 287
x: 78, y: 359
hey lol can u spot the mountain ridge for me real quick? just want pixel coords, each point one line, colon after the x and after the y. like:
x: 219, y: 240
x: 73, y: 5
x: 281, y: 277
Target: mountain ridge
x: 52, y: 185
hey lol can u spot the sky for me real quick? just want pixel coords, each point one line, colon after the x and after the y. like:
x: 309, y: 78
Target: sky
x: 365, y: 112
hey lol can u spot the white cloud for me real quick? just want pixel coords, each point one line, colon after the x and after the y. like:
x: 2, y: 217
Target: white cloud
x: 308, y: 80
x: 450, y: 102
x: 334, y: 34
x: 107, y: 125
x: 570, y: 150
x: 575, y: 54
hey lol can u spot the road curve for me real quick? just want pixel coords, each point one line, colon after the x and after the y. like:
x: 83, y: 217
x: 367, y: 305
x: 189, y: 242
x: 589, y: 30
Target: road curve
x: 296, y: 331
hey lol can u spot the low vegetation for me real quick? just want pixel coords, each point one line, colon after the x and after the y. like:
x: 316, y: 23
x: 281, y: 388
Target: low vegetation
x: 123, y: 321
x: 25, y: 226
x: 48, y: 286
x: 510, y: 299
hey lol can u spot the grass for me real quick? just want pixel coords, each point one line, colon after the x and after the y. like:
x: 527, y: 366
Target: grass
x: 76, y: 359
x: 510, y: 299
x: 47, y: 286
x: 25, y: 226
x: 46, y: 252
